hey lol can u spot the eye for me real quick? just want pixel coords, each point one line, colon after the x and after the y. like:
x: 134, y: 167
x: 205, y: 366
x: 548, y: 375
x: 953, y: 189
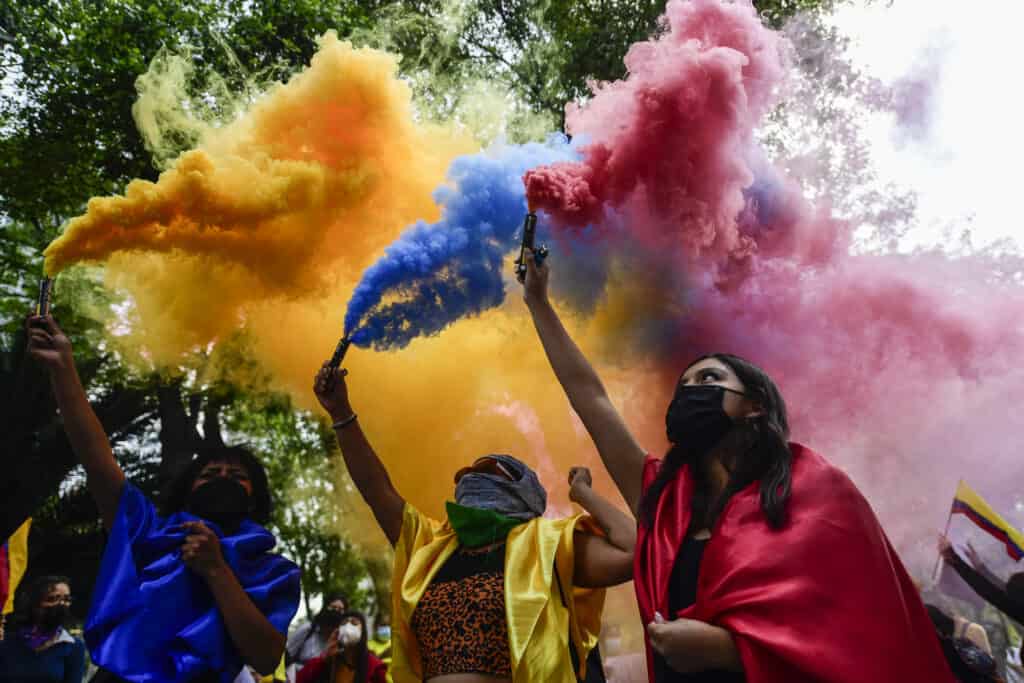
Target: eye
x: 708, y: 376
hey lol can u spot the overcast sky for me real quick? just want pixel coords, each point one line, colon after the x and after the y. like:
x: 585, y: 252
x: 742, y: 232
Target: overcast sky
x: 966, y: 162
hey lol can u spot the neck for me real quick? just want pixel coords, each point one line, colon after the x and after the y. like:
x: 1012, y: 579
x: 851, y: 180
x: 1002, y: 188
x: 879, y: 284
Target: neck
x: 715, y: 477
x: 717, y: 465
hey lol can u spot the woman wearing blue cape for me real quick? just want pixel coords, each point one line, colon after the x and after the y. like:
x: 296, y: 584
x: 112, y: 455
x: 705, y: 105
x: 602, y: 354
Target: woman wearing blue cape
x: 188, y: 593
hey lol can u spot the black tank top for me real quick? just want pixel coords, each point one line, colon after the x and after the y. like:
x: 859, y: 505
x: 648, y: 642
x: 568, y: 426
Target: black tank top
x: 682, y: 592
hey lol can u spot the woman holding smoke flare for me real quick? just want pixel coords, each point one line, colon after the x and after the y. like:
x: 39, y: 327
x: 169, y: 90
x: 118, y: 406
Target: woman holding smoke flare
x: 347, y: 656
x: 187, y: 593
x: 757, y: 560
x: 494, y: 593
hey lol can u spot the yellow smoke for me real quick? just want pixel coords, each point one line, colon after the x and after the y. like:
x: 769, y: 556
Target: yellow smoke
x: 287, y: 203
x: 254, y: 240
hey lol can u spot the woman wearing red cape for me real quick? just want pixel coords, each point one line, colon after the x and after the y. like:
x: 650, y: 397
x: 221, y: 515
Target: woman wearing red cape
x: 757, y: 560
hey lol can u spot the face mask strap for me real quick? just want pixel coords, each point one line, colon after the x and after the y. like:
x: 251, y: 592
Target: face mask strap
x: 684, y: 387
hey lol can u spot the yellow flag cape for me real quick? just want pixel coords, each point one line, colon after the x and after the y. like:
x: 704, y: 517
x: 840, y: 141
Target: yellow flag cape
x: 540, y: 624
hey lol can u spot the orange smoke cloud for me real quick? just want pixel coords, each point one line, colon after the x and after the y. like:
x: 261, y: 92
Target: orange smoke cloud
x: 259, y: 235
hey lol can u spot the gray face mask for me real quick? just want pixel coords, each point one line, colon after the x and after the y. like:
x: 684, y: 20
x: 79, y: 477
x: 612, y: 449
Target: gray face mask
x: 524, y: 498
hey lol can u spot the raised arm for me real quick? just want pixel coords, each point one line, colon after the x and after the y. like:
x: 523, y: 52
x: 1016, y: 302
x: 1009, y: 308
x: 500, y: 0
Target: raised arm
x: 601, y: 561
x: 975, y: 559
x: 619, y: 527
x: 620, y: 452
x: 991, y: 592
x: 365, y: 468
x: 52, y: 348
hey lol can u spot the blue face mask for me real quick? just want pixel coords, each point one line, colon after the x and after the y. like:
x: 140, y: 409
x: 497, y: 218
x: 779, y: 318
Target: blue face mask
x: 522, y: 499
x: 383, y: 633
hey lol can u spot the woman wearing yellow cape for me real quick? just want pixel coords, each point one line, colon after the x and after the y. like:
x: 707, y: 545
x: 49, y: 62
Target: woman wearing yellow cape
x: 495, y: 593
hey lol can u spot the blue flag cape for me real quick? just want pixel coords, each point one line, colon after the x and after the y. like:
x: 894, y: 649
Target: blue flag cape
x: 153, y: 620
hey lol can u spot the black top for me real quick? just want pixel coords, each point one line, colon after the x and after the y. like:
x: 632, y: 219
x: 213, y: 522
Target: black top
x: 682, y: 592
x: 467, y: 562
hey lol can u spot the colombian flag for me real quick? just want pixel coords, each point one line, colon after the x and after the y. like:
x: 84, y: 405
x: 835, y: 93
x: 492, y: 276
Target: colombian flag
x: 13, y: 562
x: 969, y: 503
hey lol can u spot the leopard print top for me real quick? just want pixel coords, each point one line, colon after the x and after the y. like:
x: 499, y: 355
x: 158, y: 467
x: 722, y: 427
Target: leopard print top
x: 460, y: 623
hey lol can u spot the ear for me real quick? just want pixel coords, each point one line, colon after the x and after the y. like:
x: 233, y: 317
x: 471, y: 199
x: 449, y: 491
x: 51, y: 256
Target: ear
x: 754, y: 409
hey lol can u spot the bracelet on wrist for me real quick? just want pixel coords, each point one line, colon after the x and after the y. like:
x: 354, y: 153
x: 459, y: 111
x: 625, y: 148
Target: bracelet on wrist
x: 341, y: 424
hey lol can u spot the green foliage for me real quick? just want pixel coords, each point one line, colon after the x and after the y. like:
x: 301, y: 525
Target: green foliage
x: 545, y: 52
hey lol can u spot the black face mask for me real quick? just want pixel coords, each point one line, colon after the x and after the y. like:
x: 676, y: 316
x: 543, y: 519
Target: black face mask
x: 53, y: 617
x: 696, y: 419
x: 223, y: 501
x: 328, y: 619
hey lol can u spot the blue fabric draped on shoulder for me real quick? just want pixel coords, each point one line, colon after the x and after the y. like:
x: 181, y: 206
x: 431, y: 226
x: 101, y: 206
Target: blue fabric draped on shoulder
x: 153, y: 620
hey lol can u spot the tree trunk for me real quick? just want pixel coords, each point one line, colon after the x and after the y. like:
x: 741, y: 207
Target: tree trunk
x: 211, y: 421
x: 178, y: 435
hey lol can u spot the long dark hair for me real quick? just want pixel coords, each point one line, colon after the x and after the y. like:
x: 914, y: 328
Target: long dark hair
x: 29, y: 596
x: 361, y: 658
x: 758, y: 447
x: 181, y: 486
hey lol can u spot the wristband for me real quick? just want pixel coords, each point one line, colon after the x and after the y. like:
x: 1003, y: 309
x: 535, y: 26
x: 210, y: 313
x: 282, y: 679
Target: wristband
x: 346, y: 422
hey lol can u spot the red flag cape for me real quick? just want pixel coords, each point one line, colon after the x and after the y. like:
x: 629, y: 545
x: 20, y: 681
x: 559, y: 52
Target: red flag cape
x: 825, y: 598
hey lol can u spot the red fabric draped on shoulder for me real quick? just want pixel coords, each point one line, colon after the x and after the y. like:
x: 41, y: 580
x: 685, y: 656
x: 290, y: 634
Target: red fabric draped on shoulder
x: 825, y: 598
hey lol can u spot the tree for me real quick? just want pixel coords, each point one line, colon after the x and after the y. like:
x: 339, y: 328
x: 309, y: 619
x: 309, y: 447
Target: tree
x: 546, y: 53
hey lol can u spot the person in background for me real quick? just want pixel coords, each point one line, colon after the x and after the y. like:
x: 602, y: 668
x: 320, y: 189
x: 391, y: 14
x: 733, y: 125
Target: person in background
x: 969, y: 663
x: 189, y: 592
x: 346, y: 659
x: 1008, y: 598
x: 969, y: 630
x: 38, y: 647
x: 309, y: 640
x: 380, y: 644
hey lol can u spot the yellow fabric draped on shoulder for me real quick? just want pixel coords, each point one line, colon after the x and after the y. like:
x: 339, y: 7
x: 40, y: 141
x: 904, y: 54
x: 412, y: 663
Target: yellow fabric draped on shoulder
x: 539, y: 623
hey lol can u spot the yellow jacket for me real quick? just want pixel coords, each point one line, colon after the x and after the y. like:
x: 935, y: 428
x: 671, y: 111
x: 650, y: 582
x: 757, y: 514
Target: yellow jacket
x: 539, y: 624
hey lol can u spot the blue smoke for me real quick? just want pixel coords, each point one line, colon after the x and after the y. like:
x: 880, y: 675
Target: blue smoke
x: 436, y: 273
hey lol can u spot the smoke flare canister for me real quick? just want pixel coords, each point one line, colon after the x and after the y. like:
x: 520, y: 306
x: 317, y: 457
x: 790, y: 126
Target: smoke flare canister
x: 339, y: 353
x: 529, y: 237
x: 43, y: 302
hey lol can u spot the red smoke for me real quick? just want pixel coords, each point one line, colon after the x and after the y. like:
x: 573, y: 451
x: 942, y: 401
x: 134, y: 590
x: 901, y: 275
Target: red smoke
x: 672, y: 135
x: 904, y: 369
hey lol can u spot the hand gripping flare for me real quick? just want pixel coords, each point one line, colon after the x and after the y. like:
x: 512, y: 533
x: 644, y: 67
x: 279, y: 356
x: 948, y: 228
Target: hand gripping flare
x: 529, y: 234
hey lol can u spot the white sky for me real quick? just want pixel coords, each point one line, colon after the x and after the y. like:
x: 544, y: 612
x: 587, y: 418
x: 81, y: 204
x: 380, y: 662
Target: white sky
x: 968, y: 165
